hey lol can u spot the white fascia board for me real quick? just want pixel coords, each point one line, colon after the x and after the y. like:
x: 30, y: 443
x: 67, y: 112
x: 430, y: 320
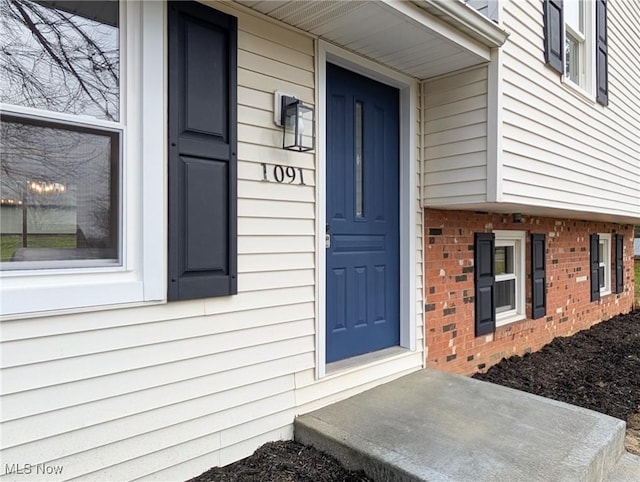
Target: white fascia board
x: 467, y: 19
x: 438, y: 27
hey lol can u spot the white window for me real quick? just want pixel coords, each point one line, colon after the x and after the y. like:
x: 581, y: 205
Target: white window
x: 604, y: 261
x: 488, y: 8
x: 71, y: 188
x: 579, y: 55
x: 509, y: 276
x: 62, y: 136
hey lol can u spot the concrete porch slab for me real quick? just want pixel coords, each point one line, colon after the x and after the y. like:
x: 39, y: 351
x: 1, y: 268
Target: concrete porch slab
x: 440, y: 427
x: 626, y: 470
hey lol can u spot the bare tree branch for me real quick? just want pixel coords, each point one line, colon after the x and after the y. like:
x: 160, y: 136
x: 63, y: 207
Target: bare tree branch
x: 57, y: 60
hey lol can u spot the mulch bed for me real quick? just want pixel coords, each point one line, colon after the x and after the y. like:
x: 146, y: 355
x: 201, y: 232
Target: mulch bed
x: 283, y: 461
x: 598, y: 368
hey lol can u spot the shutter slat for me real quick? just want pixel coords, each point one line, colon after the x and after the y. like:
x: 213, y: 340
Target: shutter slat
x: 202, y: 152
x: 594, y: 258
x: 602, y: 74
x: 553, y: 34
x: 538, y: 277
x: 484, y: 275
x: 619, y: 263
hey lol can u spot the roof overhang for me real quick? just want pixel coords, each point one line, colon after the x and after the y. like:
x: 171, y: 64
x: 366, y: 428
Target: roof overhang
x: 465, y: 19
x: 421, y: 38
x: 570, y: 212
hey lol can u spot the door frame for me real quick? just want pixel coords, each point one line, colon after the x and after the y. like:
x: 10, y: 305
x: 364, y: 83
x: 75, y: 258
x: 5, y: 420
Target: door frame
x: 408, y: 87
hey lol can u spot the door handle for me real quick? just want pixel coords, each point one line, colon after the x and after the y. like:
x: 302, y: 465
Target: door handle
x: 327, y: 238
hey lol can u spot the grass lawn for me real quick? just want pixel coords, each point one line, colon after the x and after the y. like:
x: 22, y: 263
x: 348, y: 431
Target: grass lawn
x: 10, y: 242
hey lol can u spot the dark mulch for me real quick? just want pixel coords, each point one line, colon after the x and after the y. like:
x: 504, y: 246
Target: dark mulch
x: 598, y: 368
x: 283, y: 461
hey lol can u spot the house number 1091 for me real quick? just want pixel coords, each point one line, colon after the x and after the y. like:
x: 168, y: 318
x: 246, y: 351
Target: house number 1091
x: 281, y: 174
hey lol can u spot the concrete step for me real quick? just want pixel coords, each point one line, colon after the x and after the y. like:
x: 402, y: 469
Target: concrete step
x: 626, y: 470
x: 435, y: 426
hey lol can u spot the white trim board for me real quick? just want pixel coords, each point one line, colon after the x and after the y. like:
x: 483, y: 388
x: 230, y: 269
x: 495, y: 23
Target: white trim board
x: 141, y: 277
x: 326, y: 52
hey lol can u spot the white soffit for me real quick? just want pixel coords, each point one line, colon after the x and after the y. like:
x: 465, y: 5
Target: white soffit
x: 398, y: 34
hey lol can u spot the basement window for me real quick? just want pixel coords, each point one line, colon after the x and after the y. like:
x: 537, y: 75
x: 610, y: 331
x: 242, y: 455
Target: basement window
x: 604, y: 263
x: 509, y: 276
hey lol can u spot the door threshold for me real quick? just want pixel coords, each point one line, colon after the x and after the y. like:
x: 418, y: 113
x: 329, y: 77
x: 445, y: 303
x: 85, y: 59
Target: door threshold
x: 366, y: 359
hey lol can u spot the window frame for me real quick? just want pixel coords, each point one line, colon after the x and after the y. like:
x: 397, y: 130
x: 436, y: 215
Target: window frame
x: 507, y: 276
x: 604, y: 240
x: 580, y: 38
x: 516, y: 239
x: 586, y: 85
x: 141, y: 274
x: 114, y: 130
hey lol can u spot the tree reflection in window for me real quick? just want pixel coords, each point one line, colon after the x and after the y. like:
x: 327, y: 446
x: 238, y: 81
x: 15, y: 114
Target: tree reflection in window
x: 60, y: 170
x: 59, y: 190
x: 61, y: 56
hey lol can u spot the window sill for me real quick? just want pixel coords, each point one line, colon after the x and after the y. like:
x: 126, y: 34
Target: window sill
x: 80, y: 309
x: 32, y: 295
x: 508, y: 319
x: 578, y: 91
x: 605, y: 293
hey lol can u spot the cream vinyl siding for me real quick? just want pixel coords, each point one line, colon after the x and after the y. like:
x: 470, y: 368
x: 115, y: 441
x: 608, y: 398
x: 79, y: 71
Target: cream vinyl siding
x: 164, y: 392
x: 561, y: 150
x: 455, y: 139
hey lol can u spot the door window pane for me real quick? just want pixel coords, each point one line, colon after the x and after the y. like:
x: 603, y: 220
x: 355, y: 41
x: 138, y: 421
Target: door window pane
x: 59, y: 195
x: 359, y: 191
x: 61, y: 56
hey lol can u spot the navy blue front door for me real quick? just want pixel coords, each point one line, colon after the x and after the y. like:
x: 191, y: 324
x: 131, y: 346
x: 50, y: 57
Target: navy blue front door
x: 363, y: 273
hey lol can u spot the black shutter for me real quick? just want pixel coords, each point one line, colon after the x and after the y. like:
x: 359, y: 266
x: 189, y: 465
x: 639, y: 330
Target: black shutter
x: 202, y: 152
x: 484, y: 262
x: 594, y: 243
x: 553, y: 34
x: 602, y: 76
x: 619, y: 263
x: 538, y: 277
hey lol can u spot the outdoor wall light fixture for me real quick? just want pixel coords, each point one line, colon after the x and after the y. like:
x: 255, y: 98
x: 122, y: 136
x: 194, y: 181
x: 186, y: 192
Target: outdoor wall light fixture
x: 517, y: 218
x: 297, y: 123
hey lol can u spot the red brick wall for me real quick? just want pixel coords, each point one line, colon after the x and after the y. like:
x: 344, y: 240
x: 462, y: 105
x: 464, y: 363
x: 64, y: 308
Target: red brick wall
x: 449, y: 289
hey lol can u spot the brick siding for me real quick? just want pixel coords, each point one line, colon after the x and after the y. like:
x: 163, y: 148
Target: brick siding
x: 449, y: 292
